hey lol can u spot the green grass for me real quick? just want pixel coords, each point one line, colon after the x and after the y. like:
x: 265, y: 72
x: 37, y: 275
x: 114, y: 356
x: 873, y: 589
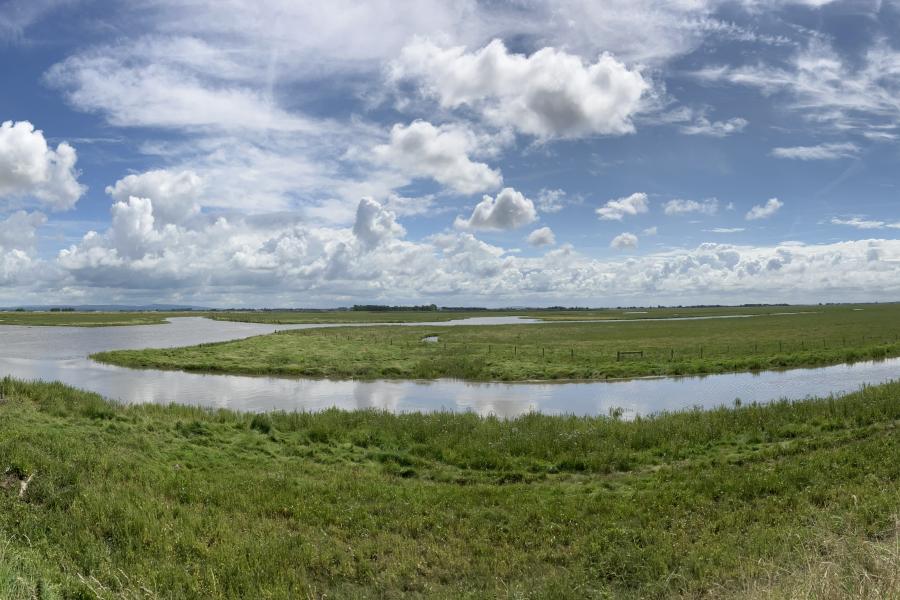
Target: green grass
x: 177, y: 502
x: 548, y: 351
x: 86, y: 319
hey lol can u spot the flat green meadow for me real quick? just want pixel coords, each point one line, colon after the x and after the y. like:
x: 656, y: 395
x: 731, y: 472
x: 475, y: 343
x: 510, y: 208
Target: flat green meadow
x: 785, y: 500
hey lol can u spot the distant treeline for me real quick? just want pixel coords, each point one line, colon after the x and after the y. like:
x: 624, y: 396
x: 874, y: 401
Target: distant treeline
x: 387, y: 308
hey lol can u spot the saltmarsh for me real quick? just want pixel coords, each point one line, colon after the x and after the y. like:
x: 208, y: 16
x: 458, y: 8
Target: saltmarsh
x: 164, y: 502
x: 547, y: 351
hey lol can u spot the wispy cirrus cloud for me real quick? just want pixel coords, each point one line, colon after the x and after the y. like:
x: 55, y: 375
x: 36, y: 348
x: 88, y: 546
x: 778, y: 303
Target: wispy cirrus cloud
x: 725, y: 230
x: 824, y: 87
x: 861, y: 223
x: 819, y: 152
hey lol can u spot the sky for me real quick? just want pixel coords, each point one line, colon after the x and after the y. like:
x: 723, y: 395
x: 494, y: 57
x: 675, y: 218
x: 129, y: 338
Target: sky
x: 471, y: 153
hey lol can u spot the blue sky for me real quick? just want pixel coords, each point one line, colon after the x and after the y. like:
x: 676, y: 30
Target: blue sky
x: 469, y: 153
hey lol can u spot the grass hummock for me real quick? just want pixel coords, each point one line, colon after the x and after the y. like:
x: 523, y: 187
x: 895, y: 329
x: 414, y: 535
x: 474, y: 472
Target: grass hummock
x: 780, y: 500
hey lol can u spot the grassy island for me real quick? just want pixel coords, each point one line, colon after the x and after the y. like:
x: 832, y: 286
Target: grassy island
x: 548, y: 351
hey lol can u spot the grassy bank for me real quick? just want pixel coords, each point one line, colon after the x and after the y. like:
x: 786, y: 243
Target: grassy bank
x: 156, y: 502
x: 86, y: 319
x: 548, y: 350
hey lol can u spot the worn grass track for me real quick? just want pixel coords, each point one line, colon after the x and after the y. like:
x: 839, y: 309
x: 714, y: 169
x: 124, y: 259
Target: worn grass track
x: 177, y: 502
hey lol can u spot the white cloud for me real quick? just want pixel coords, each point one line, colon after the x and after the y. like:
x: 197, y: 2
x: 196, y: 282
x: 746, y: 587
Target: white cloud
x: 175, y: 195
x: 542, y: 237
x: 725, y: 230
x: 764, y: 211
x: 374, y: 224
x: 703, y: 126
x: 32, y: 172
x: 616, y: 210
x: 553, y: 201
x: 678, y: 206
x: 509, y: 210
x: 820, y: 152
x: 623, y: 241
x: 549, y: 94
x: 860, y: 223
x: 18, y: 263
x: 18, y: 230
x: 234, y: 261
x: 825, y: 88
x: 141, y: 85
x: 18, y: 15
x: 404, y: 206
x: 442, y: 153
x: 651, y: 231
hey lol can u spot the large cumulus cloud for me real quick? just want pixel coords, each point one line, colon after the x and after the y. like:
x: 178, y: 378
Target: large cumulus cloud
x: 550, y: 94
x: 31, y: 172
x: 442, y: 153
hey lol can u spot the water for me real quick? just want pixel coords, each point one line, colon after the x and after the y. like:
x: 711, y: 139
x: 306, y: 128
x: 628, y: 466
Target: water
x: 59, y: 353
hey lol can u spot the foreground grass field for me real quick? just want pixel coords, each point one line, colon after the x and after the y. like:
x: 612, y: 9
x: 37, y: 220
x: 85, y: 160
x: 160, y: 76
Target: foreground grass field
x: 152, y: 502
x: 549, y: 351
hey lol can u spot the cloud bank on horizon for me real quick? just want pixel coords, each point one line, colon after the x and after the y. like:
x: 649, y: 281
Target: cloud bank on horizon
x: 481, y: 153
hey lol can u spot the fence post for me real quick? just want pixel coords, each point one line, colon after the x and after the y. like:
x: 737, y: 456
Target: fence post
x: 701, y: 351
x: 671, y: 354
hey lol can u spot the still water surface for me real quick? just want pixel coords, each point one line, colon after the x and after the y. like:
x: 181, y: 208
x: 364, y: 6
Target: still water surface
x: 60, y: 353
